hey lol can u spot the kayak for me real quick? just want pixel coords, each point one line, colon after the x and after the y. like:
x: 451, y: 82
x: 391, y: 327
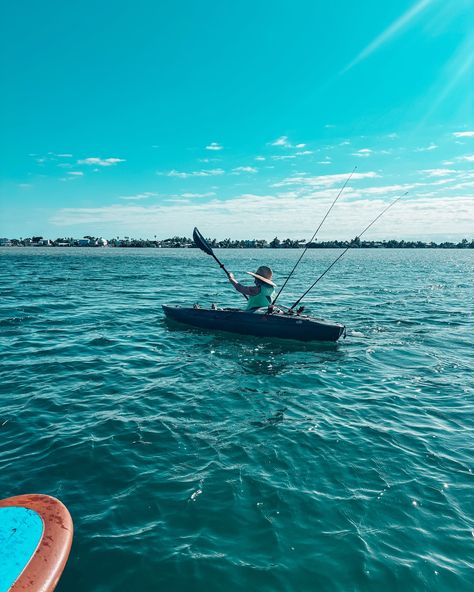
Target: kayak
x: 35, y: 538
x: 259, y: 323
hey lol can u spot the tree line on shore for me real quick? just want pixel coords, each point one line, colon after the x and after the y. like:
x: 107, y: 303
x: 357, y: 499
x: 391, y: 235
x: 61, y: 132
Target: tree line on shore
x: 276, y: 243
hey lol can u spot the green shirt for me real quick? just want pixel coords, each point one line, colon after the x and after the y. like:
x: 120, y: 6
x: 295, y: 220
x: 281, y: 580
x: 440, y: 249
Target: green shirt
x: 262, y: 299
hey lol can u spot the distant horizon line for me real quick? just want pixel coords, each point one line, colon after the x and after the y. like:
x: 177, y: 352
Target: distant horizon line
x: 185, y: 242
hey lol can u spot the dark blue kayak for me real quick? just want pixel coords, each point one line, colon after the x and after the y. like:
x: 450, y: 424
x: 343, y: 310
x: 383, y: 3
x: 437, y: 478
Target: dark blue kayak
x: 259, y: 323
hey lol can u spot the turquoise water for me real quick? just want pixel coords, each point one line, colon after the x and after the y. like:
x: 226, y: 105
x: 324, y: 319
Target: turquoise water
x: 205, y: 462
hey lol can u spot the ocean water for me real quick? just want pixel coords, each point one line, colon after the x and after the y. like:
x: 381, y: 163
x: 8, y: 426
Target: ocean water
x: 197, y: 461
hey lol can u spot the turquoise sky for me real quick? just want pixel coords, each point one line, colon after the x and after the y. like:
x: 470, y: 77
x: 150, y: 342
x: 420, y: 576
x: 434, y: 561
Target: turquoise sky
x: 148, y: 117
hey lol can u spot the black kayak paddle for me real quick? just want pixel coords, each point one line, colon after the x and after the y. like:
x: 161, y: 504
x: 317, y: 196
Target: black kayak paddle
x: 202, y: 244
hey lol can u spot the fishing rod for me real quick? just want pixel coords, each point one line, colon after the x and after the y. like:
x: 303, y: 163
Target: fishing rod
x: 346, y: 249
x: 314, y: 235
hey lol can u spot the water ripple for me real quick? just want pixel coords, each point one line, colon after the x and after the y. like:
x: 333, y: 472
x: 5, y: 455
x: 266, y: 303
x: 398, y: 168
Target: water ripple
x: 192, y: 460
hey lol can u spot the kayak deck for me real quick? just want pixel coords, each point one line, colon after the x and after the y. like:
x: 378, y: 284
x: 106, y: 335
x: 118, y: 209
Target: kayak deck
x: 259, y: 323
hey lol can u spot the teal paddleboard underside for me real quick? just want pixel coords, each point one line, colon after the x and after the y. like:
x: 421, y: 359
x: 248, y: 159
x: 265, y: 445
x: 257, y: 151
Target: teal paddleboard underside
x: 20, y: 532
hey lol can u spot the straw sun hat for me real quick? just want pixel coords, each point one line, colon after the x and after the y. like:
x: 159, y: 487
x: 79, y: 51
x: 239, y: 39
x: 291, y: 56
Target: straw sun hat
x: 264, y: 274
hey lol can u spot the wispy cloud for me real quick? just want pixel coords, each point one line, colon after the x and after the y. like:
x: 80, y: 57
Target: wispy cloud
x: 428, y: 148
x: 281, y: 141
x: 193, y: 195
x: 467, y: 158
x: 291, y: 156
x: 324, y: 180
x: 384, y: 189
x: 244, y: 169
x: 363, y: 152
x: 186, y: 175
x: 139, y: 196
x: 76, y: 173
x: 214, y: 146
x: 438, y: 172
x: 463, y: 134
x: 416, y: 217
x: 103, y: 162
x: 283, y: 156
x: 390, y: 32
x: 285, y: 143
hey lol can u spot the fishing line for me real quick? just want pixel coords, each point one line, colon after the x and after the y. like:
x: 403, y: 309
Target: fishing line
x: 314, y: 235
x: 347, y: 248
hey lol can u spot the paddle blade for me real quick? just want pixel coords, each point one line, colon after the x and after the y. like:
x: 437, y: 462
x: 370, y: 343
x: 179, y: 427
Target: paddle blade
x: 201, y: 242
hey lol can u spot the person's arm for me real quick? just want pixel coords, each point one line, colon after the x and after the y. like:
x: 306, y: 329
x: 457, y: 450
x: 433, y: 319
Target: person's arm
x: 247, y: 290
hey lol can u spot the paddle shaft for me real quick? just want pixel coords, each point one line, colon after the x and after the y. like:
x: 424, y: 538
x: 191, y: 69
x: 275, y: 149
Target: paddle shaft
x: 221, y: 265
x: 202, y: 244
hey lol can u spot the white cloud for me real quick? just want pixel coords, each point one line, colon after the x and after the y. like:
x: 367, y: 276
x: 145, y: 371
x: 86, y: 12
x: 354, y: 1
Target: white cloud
x: 382, y: 190
x: 283, y: 156
x: 260, y: 158
x: 281, y: 141
x: 463, y: 134
x: 76, y: 173
x: 363, y: 152
x: 64, y: 155
x: 428, y: 148
x: 193, y: 195
x: 103, y: 162
x: 323, y: 180
x: 291, y: 156
x: 285, y: 143
x: 244, y: 169
x: 462, y: 185
x: 241, y: 217
x: 438, y: 172
x: 468, y: 158
x: 139, y: 196
x: 186, y: 175
x: 214, y: 146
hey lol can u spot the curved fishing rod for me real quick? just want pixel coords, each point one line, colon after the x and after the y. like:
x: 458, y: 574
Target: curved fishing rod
x: 314, y: 235
x: 346, y: 249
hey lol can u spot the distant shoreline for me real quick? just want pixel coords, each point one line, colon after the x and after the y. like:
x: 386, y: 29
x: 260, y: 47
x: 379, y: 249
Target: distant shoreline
x: 187, y: 243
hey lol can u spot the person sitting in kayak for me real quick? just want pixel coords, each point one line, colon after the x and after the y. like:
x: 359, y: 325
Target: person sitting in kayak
x: 259, y: 295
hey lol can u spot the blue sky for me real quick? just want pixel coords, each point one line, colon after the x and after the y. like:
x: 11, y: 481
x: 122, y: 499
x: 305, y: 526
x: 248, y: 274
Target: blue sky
x: 146, y: 118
